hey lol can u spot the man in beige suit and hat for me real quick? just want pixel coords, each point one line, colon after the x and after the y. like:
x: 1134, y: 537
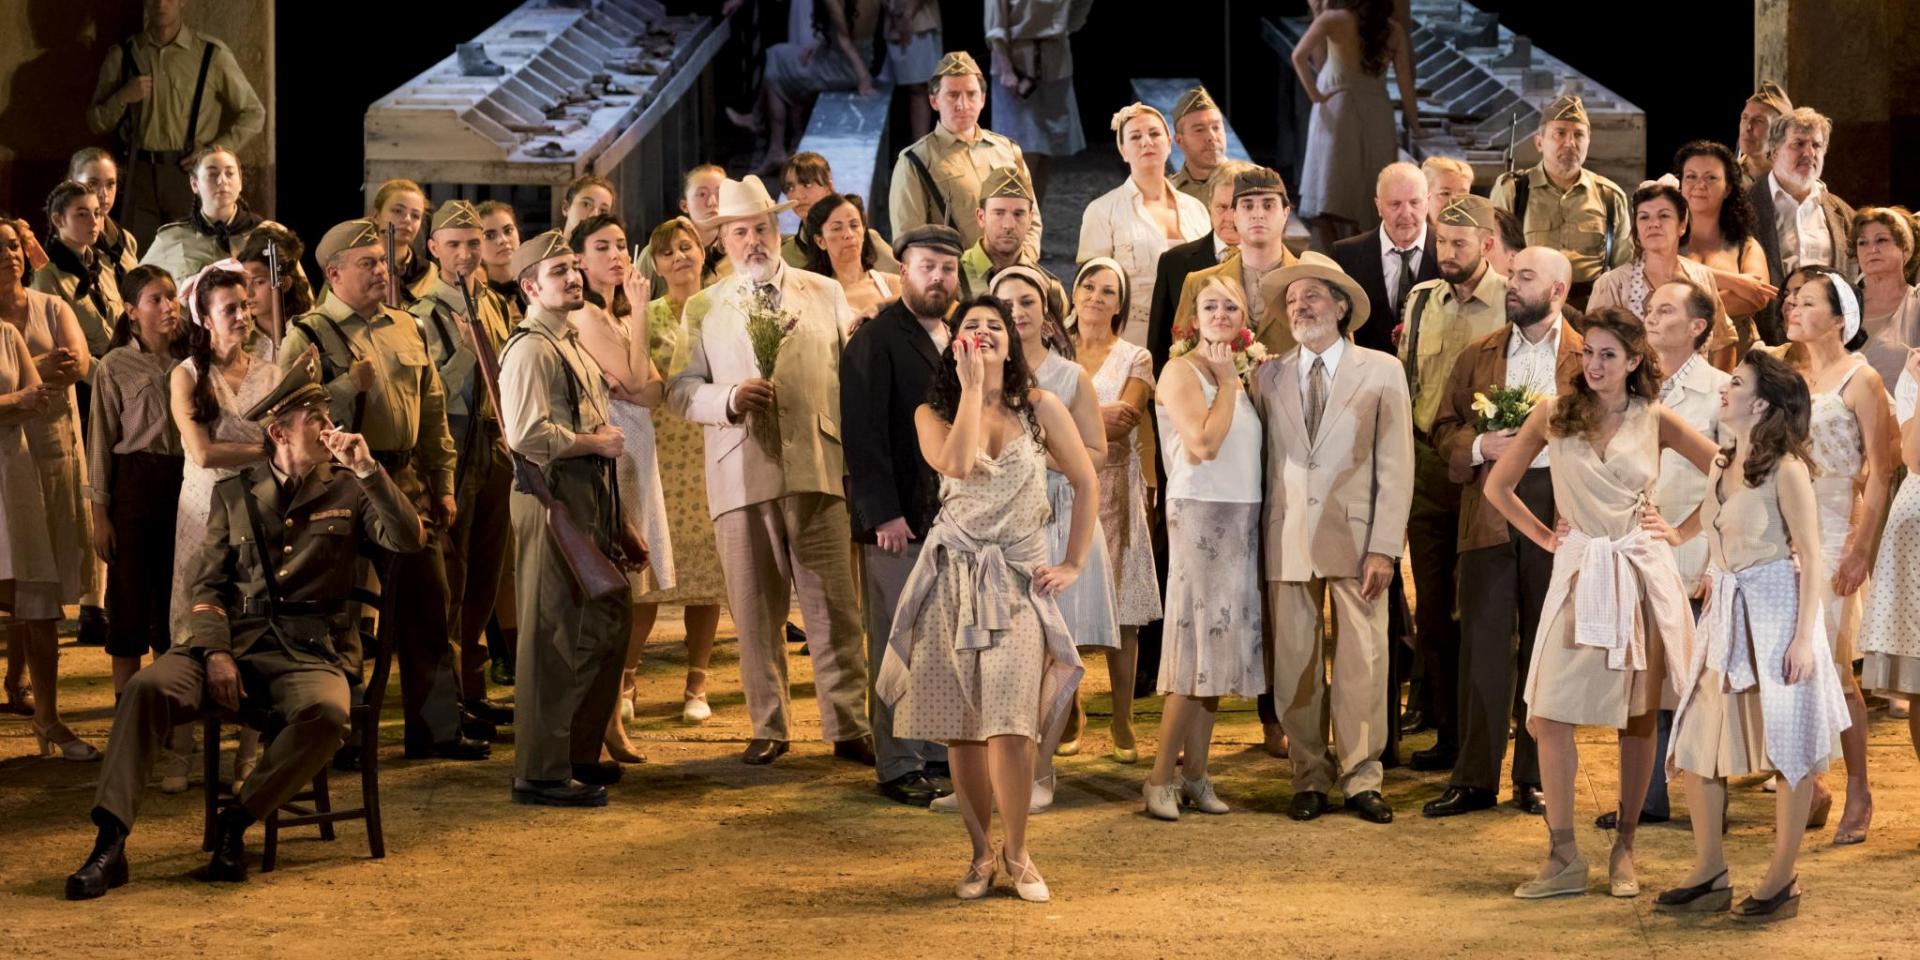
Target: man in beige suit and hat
x: 1339, y: 487
x: 775, y: 470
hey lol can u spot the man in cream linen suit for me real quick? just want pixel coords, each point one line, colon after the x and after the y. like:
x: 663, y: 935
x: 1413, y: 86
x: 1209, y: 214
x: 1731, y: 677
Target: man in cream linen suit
x: 1339, y: 486
x: 774, y: 469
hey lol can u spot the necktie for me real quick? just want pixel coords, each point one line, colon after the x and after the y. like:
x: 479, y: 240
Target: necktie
x: 1405, y: 285
x: 768, y: 295
x: 1316, y: 396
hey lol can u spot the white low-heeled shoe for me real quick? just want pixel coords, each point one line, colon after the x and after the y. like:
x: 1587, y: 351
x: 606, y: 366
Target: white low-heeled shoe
x: 978, y: 881
x: 1042, y: 796
x: 696, y: 709
x: 1163, y: 801
x: 173, y: 769
x: 1199, y: 795
x: 950, y: 803
x: 1026, y: 880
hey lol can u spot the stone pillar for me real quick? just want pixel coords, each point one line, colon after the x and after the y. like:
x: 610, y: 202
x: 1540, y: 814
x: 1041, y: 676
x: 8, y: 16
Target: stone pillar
x: 1851, y: 60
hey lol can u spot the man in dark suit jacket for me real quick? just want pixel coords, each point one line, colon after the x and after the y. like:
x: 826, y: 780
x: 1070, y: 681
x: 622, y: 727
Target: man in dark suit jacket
x: 885, y: 371
x: 1189, y: 257
x: 1400, y: 194
x: 1797, y: 148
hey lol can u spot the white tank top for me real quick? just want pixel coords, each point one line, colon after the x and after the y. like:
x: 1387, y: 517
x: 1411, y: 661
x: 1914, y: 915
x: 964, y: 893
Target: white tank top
x: 1232, y: 476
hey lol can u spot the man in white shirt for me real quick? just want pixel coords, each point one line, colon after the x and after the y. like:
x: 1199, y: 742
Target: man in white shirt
x: 1797, y: 222
x: 1387, y: 262
x: 1503, y: 575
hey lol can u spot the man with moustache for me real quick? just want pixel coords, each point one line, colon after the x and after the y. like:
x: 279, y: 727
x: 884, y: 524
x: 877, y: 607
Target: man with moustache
x: 1339, y: 480
x: 941, y: 176
x: 775, y: 472
x: 884, y: 375
x: 1756, y: 119
x: 384, y: 386
x: 1170, y: 274
x: 1563, y: 205
x: 1466, y: 302
x: 1389, y: 261
x: 1200, y: 131
x: 1005, y: 217
x: 1502, y: 573
x: 553, y: 411
x: 475, y: 547
x: 1797, y: 221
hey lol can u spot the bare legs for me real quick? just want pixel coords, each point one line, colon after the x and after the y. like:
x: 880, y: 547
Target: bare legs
x: 1186, y: 725
x: 1706, y: 807
x: 1558, y: 761
x: 1122, y: 664
x: 1858, y: 814
x: 702, y: 623
x: 999, y: 770
x: 1637, y: 749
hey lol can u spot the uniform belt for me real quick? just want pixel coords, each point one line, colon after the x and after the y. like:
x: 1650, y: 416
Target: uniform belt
x: 393, y: 459
x: 257, y: 607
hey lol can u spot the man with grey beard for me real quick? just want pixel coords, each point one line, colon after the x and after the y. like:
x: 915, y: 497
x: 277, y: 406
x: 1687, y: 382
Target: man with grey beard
x: 1797, y: 222
x: 884, y: 375
x: 774, y: 469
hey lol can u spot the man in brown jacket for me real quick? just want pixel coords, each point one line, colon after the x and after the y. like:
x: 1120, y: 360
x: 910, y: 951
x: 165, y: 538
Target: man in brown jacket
x: 1503, y: 575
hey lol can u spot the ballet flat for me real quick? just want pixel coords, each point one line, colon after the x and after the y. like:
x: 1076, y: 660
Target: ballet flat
x: 1570, y: 881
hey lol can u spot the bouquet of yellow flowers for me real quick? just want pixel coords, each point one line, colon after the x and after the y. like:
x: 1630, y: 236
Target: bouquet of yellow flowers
x: 1504, y: 408
x: 1248, y: 353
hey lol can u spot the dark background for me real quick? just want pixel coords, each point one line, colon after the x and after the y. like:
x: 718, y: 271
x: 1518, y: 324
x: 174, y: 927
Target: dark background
x: 1691, y: 74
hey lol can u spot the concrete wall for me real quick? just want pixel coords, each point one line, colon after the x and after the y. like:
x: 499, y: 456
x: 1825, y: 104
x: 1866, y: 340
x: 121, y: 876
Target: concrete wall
x: 50, y: 56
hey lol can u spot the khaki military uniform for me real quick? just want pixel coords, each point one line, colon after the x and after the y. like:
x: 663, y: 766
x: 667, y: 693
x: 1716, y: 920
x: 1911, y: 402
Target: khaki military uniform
x: 1573, y: 221
x: 1192, y: 186
x: 569, y: 659
x: 290, y: 634
x: 404, y: 419
x: 475, y: 550
x: 1269, y: 325
x: 958, y: 168
x: 230, y: 113
x: 976, y: 271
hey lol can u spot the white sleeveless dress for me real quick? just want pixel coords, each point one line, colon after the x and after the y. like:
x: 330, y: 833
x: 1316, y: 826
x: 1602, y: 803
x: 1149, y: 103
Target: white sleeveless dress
x: 196, y: 482
x: 1839, y: 453
x: 1890, y: 627
x: 1088, y: 606
x: 641, y: 496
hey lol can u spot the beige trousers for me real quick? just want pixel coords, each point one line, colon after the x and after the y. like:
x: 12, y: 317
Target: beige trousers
x: 768, y: 551
x: 1359, y: 690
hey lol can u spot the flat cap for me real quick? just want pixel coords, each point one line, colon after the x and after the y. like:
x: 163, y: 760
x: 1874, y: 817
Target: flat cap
x: 297, y: 389
x: 1005, y: 182
x: 1469, y: 210
x: 538, y: 249
x: 958, y: 63
x: 1566, y: 107
x: 346, y: 236
x: 1196, y: 99
x: 1773, y: 95
x: 937, y: 237
x: 1259, y: 180
x: 456, y: 215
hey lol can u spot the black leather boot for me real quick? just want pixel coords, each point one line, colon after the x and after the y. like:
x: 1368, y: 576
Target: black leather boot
x: 106, y: 866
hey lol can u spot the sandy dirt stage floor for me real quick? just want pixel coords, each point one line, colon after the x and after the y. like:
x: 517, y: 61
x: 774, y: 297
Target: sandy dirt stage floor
x: 700, y: 856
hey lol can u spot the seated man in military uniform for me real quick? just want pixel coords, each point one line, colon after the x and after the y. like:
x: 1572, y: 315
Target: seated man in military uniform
x: 269, y: 620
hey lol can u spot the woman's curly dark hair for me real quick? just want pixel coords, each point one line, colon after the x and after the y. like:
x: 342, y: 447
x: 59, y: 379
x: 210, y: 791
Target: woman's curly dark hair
x: 1784, y: 430
x: 943, y: 394
x: 1577, y: 412
x: 1375, y: 22
x: 817, y: 259
x: 1736, y: 214
x: 1650, y: 193
x: 206, y: 407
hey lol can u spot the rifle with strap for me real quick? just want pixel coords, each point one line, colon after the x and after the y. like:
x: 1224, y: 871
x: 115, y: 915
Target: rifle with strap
x: 471, y: 434
x: 932, y: 191
x: 598, y: 577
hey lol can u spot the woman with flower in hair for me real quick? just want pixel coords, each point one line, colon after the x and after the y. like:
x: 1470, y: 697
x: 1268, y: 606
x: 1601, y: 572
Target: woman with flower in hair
x: 1088, y: 606
x: 1211, y: 443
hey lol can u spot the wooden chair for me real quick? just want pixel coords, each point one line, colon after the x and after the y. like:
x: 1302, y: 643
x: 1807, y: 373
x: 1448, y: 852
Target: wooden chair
x: 314, y: 806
